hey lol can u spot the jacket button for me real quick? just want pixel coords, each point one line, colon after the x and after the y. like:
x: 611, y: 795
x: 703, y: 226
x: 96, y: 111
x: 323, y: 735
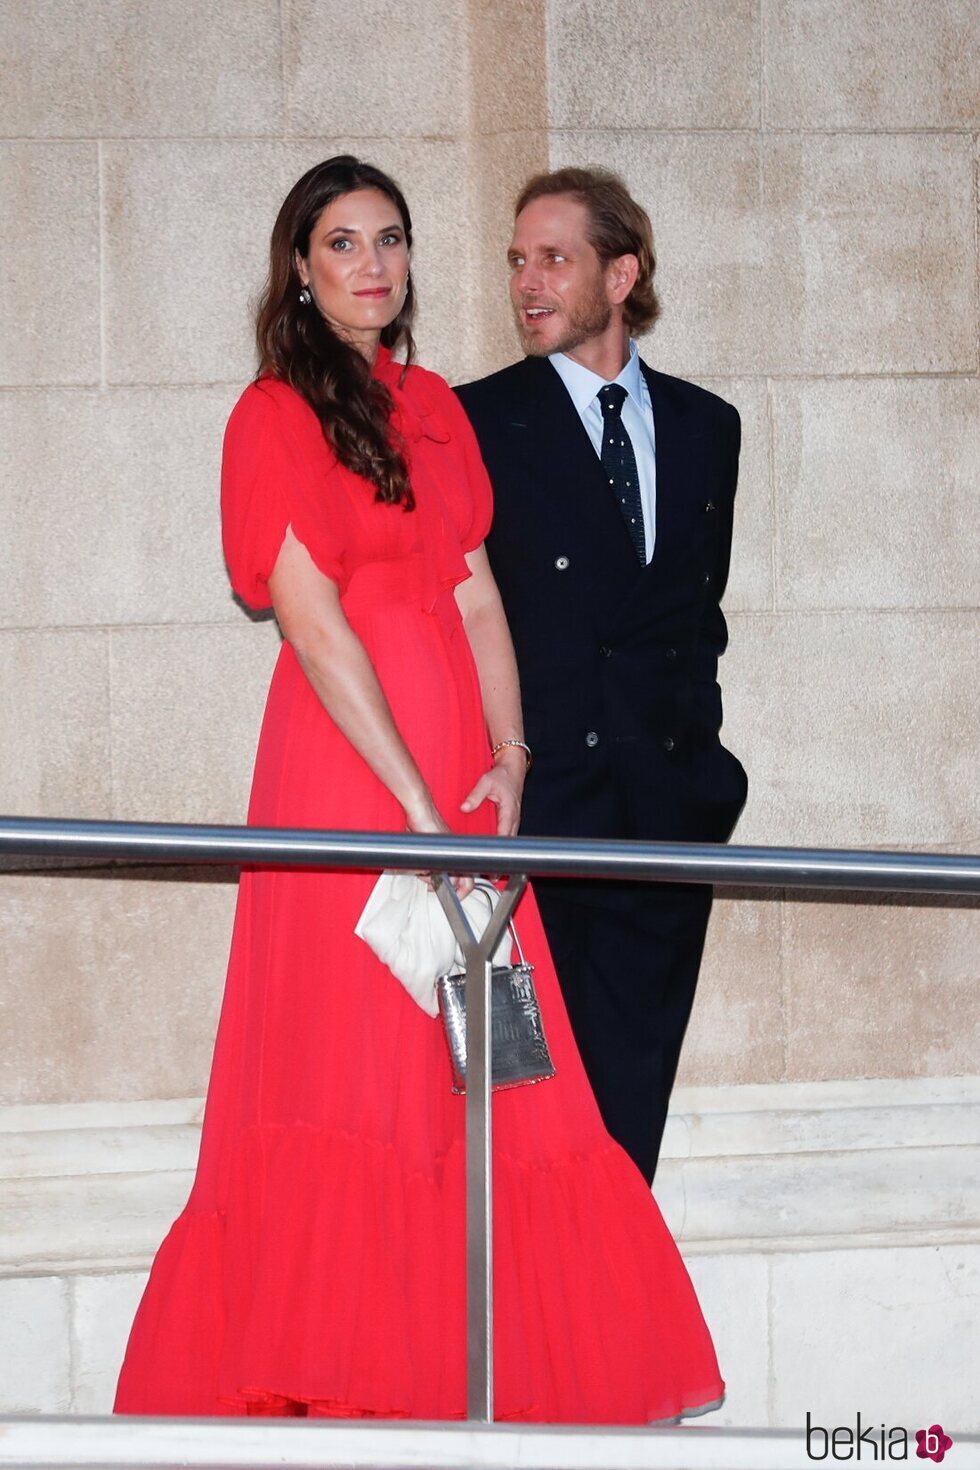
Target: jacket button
x: 605, y: 650
x: 668, y: 743
x: 671, y: 653
x: 592, y: 740
x: 561, y: 563
x: 707, y: 579
x: 709, y: 507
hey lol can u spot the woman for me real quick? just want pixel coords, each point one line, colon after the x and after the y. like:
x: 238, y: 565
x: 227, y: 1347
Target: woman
x: 318, y: 1267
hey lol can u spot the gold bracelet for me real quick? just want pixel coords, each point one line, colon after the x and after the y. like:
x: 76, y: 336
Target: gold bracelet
x: 520, y: 745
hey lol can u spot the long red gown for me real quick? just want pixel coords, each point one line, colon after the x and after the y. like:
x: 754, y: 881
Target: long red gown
x: 318, y: 1266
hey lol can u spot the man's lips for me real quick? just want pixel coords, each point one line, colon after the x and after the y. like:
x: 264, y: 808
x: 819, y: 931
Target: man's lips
x: 375, y: 292
x: 532, y: 314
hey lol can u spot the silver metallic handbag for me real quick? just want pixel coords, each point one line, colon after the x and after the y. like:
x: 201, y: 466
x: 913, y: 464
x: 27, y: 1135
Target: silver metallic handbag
x: 518, y: 1047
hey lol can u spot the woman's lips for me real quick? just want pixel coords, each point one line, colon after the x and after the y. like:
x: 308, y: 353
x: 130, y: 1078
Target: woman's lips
x: 376, y: 292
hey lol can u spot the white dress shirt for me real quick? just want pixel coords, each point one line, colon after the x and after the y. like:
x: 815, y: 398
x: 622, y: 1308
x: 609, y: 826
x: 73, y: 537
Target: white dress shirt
x: 583, y: 385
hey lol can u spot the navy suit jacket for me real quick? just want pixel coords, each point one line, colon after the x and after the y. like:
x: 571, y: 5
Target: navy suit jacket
x: 618, y: 662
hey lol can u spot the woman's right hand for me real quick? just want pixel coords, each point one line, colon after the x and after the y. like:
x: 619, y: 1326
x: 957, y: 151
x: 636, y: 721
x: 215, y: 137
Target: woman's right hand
x: 425, y: 819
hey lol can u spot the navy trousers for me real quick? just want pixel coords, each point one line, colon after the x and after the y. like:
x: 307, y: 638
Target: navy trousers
x: 627, y: 956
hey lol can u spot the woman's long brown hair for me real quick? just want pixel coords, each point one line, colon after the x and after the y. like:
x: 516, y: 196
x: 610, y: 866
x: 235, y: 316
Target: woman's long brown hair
x: 297, y: 345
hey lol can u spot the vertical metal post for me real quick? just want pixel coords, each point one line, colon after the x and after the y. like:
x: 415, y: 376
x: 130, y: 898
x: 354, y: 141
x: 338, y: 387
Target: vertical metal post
x: 479, y: 1191
x: 478, y: 955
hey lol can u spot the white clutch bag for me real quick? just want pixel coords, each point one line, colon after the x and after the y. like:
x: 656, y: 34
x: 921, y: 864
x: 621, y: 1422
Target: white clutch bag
x: 404, y: 923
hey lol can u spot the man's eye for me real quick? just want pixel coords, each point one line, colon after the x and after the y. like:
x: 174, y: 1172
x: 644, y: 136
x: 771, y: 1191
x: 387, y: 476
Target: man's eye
x: 515, y: 261
x: 555, y: 256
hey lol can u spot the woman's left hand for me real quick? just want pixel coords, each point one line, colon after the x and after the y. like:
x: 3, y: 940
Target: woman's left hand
x: 503, y: 785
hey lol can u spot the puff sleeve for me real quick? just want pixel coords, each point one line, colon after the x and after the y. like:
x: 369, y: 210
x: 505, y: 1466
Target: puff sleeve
x: 275, y: 473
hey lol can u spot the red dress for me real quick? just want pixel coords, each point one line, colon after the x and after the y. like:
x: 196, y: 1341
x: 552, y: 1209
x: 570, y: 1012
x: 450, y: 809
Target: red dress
x: 318, y: 1266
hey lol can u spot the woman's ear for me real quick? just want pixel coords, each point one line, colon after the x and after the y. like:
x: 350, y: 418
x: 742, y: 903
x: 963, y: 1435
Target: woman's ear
x: 301, y: 268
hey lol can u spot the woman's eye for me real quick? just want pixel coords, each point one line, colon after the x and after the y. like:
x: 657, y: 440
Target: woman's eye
x: 340, y: 244
x: 391, y: 239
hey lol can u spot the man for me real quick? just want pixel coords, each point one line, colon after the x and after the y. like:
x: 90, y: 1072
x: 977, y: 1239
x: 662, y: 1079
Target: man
x: 614, y: 490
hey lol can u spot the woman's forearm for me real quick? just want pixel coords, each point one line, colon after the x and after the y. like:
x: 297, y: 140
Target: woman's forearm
x: 343, y: 679
x: 493, y: 653
x: 333, y: 658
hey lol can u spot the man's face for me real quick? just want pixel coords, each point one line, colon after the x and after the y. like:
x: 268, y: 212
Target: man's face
x: 558, y: 285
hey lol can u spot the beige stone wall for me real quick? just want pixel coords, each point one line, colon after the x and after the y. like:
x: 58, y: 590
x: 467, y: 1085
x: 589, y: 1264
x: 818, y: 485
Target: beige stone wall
x: 810, y: 168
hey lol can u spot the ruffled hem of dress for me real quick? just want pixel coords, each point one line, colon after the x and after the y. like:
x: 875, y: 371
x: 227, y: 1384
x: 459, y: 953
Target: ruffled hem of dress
x: 279, y: 1405
x: 335, y: 1278
x: 694, y: 1411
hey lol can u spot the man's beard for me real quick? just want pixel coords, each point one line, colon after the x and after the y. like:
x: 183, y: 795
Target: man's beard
x: 589, y: 318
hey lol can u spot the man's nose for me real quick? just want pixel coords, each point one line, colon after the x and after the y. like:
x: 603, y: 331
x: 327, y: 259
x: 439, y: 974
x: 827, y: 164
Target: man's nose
x: 527, y: 279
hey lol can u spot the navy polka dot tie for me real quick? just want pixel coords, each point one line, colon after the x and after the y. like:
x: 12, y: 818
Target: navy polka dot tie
x: 619, y: 465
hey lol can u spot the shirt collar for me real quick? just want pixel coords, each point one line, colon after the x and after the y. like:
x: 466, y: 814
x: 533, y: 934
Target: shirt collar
x: 583, y: 384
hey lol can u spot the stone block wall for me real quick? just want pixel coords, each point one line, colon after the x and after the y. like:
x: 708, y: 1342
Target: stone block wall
x: 811, y: 171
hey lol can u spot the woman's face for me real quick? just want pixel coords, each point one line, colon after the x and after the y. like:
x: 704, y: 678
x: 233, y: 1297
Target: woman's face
x: 357, y: 266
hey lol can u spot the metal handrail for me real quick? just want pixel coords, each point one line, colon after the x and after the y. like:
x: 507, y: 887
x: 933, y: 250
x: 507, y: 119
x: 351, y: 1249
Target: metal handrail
x: 753, y: 867
x: 162, y: 842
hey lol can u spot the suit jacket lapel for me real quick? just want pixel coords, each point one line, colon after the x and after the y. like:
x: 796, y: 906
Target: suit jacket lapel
x: 676, y: 453
x: 571, y: 468
x: 575, y: 472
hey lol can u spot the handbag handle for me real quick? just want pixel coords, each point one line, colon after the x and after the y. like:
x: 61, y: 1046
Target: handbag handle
x: 482, y: 885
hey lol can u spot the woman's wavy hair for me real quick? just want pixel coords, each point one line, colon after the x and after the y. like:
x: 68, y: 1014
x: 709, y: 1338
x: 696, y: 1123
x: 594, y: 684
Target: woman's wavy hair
x: 297, y: 345
x: 617, y: 226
